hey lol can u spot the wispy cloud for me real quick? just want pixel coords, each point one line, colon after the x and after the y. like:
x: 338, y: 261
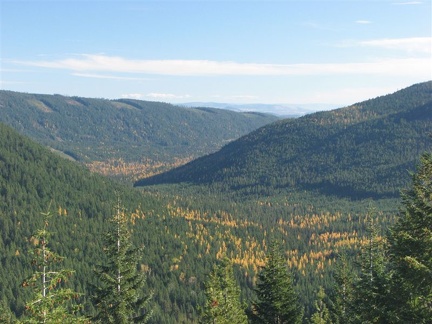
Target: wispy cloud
x: 85, y: 64
x: 132, y: 96
x: 363, y: 22
x: 407, y: 3
x: 104, y: 76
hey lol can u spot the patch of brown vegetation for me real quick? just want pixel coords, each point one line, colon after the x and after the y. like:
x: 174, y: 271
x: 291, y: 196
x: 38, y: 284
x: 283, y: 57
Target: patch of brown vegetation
x: 40, y: 105
x: 123, y: 105
x: 73, y: 102
x: 133, y: 171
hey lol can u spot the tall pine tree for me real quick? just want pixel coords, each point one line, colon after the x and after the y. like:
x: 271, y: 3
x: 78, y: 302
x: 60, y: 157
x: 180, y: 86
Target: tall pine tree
x: 322, y: 313
x: 223, y: 297
x: 341, y: 294
x: 277, y: 301
x: 411, y: 250
x: 370, y: 296
x: 51, y: 303
x: 119, y: 298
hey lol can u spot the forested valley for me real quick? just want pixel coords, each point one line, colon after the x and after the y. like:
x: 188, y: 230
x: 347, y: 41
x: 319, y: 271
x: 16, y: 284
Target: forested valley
x: 309, y: 208
x: 124, y: 138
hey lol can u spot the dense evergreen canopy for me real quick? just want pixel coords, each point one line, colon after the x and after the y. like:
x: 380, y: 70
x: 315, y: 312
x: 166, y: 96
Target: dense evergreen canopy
x: 392, y: 282
x: 51, y: 301
x: 222, y: 292
x: 361, y: 151
x: 90, y: 129
x: 411, y: 249
x: 277, y: 302
x: 119, y: 298
x: 184, y: 231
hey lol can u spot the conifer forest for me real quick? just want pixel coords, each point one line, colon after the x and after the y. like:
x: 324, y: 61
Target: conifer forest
x: 128, y: 211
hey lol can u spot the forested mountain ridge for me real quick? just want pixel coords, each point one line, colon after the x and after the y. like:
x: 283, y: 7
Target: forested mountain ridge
x: 109, y: 134
x: 182, y: 239
x: 183, y: 236
x: 32, y: 180
x: 360, y: 151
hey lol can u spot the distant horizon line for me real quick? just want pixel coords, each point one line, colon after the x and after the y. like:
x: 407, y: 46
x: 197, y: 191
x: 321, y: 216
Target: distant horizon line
x: 181, y: 102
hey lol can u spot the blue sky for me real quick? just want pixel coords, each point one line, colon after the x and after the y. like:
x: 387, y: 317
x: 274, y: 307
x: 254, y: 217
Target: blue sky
x: 337, y: 52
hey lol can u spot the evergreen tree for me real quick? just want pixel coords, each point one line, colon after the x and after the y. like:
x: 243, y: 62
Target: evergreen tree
x: 223, y: 297
x: 340, y: 297
x: 6, y: 315
x: 322, y: 313
x: 277, y: 301
x: 51, y: 303
x: 371, y: 287
x: 120, y: 296
x: 411, y: 249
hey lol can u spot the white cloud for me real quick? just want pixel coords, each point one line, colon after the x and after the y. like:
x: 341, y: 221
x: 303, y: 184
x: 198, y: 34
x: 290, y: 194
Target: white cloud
x: 104, y: 76
x: 110, y: 64
x: 363, y: 22
x: 132, y: 96
x: 407, y: 3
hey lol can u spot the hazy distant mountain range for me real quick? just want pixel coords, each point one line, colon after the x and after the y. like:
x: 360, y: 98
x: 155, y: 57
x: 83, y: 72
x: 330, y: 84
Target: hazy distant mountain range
x: 284, y: 110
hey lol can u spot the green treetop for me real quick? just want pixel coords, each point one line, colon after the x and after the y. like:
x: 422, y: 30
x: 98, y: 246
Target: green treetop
x: 277, y: 301
x: 322, y: 313
x: 370, y: 299
x: 51, y: 303
x: 341, y: 294
x: 411, y: 249
x: 223, y: 297
x: 120, y: 296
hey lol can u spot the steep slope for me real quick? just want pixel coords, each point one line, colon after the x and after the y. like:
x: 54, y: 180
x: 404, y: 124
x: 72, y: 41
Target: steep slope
x: 132, y: 130
x: 180, y: 240
x: 181, y: 236
x: 32, y: 180
x: 359, y: 151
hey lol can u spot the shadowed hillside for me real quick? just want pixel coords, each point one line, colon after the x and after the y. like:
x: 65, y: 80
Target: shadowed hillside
x: 181, y: 239
x: 360, y: 151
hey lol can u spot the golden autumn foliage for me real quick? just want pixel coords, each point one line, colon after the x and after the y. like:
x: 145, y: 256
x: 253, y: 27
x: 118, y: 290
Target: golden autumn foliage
x: 133, y: 171
x: 217, y: 234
